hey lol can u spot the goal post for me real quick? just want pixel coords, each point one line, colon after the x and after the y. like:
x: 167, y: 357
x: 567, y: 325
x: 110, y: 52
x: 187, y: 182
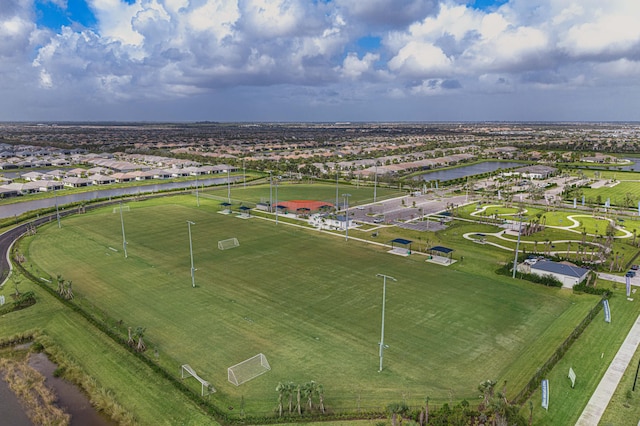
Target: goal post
x: 125, y: 208
x: 248, y: 369
x: 207, y: 388
x: 228, y: 243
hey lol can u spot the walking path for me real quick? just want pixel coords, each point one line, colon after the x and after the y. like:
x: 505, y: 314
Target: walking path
x: 600, y: 399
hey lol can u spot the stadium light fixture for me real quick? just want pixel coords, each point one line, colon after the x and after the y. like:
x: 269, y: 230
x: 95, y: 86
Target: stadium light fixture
x: 346, y: 216
x: 384, y: 298
x: 193, y: 270
x: 124, y: 239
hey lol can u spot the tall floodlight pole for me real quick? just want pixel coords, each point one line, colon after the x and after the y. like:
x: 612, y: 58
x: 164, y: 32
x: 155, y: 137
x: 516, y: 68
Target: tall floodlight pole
x: 337, y: 202
x: 197, y: 196
x: 193, y: 270
x: 244, y: 174
x: 55, y: 192
x: 375, y: 182
x: 270, y: 192
x: 229, y: 186
x: 124, y: 239
x: 384, y: 298
x: 515, y: 258
x: 346, y: 216
x: 277, y: 200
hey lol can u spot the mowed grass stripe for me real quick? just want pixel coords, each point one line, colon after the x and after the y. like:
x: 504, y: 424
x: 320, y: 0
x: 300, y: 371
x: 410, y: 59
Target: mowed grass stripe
x: 309, y: 301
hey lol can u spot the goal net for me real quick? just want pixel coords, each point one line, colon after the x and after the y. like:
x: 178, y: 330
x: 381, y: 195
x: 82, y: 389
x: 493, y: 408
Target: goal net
x: 248, y: 369
x: 207, y: 388
x: 227, y: 244
x: 125, y: 208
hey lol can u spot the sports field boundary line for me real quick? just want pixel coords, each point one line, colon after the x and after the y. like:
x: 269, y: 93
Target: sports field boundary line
x: 600, y: 399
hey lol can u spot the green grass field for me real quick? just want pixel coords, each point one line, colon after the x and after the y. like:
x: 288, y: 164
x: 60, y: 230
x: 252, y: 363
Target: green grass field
x: 309, y: 301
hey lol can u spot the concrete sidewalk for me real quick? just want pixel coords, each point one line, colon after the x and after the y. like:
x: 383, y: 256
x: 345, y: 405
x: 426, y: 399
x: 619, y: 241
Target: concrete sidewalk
x: 607, y: 386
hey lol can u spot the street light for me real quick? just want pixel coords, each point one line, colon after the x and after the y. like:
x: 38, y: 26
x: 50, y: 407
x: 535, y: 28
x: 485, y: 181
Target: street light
x: 124, y: 239
x: 337, y: 175
x: 384, y: 297
x: 346, y: 215
x: 270, y: 192
x: 193, y: 270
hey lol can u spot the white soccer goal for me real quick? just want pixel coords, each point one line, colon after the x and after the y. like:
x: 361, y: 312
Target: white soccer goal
x: 227, y: 244
x: 125, y: 208
x: 207, y: 388
x: 248, y: 369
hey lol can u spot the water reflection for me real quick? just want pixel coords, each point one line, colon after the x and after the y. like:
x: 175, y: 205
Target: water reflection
x: 464, y: 171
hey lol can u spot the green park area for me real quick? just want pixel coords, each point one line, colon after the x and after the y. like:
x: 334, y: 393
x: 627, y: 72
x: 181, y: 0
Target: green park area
x: 310, y: 301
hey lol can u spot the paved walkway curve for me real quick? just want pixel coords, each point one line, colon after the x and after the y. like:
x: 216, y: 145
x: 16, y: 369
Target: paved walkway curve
x: 596, y: 406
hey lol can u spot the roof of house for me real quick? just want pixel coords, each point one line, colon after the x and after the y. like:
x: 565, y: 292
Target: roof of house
x: 559, y: 268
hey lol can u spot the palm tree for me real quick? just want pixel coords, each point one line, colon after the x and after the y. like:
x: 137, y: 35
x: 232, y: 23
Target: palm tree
x: 309, y: 390
x: 299, y: 408
x: 280, y: 389
x: 320, y: 393
x: 139, y: 334
x: 130, y: 341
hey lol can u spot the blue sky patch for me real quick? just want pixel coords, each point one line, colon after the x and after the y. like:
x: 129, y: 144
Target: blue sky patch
x: 51, y: 16
x: 487, y: 4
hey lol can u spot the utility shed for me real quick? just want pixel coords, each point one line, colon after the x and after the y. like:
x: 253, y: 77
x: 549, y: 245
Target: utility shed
x: 568, y: 275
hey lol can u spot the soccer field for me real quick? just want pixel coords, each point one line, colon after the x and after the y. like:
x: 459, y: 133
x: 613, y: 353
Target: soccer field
x: 309, y: 301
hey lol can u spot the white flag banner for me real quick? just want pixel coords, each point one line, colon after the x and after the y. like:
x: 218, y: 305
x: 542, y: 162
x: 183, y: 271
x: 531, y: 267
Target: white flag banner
x: 572, y: 377
x: 545, y: 394
x: 607, y: 311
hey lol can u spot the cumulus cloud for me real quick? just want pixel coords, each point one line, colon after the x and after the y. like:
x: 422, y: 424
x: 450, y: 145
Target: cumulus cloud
x: 164, y: 50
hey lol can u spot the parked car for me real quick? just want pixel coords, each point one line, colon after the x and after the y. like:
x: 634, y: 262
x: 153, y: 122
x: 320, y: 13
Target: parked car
x: 630, y: 274
x: 634, y: 267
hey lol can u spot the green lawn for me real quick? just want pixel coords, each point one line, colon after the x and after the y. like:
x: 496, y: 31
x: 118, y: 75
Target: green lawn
x: 617, y: 194
x: 310, y: 302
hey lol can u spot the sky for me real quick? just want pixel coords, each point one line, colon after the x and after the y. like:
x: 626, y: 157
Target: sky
x: 319, y: 60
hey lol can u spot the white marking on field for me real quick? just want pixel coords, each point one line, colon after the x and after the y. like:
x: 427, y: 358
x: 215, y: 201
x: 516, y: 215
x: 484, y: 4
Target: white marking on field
x: 112, y: 249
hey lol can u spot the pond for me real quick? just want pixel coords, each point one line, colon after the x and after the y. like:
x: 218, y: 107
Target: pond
x: 464, y: 171
x: 70, y: 398
x: 16, y: 209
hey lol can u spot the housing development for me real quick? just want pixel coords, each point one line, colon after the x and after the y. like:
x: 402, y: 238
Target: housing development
x: 374, y: 273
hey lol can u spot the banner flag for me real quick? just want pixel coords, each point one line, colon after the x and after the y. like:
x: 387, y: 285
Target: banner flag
x: 575, y: 200
x: 499, y: 198
x: 583, y: 203
x: 545, y: 394
x: 572, y: 377
x: 607, y: 311
x: 628, y: 286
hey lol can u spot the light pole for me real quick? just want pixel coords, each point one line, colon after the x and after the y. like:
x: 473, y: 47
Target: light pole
x: 57, y: 212
x: 197, y: 196
x: 193, y: 270
x: 384, y: 297
x: 375, y: 182
x: 270, y: 192
x: 337, y: 203
x: 124, y: 239
x: 277, y: 177
x: 515, y: 258
x: 244, y: 174
x: 346, y: 216
x: 229, y: 186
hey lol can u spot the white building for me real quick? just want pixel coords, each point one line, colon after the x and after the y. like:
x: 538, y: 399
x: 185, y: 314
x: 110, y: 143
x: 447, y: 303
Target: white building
x: 568, y: 275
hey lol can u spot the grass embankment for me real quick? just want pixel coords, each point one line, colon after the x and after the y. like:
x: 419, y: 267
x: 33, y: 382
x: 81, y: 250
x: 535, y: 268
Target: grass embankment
x: 590, y: 357
x: 141, y: 392
x: 310, y: 302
